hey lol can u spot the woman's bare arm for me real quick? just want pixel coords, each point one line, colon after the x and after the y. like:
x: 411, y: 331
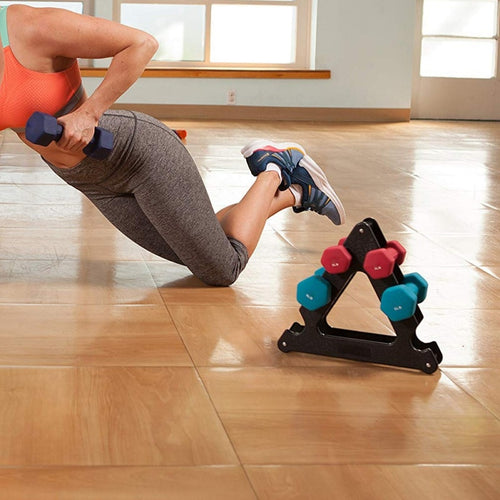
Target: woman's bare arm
x: 57, y: 33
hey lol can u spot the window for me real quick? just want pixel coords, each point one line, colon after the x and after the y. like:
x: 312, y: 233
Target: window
x: 78, y: 7
x: 224, y: 33
x: 459, y: 38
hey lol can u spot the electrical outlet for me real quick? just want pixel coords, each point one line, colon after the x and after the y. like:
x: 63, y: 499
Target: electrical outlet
x: 231, y: 96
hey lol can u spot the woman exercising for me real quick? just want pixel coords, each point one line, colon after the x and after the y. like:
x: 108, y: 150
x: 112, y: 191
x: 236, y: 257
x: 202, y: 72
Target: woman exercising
x: 149, y: 187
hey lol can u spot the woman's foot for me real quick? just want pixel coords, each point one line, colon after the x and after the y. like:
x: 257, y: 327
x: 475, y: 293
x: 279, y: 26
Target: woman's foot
x: 297, y: 170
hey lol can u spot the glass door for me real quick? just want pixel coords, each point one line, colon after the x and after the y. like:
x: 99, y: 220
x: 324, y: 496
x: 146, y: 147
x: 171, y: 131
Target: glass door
x: 456, y: 60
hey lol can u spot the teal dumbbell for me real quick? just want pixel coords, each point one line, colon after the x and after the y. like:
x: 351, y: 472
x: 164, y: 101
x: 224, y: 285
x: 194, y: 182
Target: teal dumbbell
x: 400, y: 302
x: 314, y: 292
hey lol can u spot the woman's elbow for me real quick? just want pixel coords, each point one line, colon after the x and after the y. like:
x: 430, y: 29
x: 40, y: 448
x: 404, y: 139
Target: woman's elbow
x: 154, y: 45
x: 149, y: 43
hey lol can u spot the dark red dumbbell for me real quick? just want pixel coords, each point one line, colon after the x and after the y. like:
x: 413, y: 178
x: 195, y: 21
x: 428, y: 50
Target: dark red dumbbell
x: 380, y: 263
x: 336, y: 259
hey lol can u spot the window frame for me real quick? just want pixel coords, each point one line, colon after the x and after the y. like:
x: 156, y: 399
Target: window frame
x: 87, y: 5
x: 303, y: 36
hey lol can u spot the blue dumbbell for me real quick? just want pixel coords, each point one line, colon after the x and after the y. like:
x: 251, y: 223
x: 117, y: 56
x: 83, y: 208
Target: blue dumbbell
x: 42, y: 129
x: 314, y: 292
x: 400, y: 302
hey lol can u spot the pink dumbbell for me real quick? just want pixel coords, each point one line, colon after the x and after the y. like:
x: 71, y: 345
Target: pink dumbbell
x: 380, y: 263
x: 336, y: 259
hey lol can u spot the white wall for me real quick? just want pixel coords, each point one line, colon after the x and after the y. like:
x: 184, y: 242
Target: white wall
x: 367, y: 45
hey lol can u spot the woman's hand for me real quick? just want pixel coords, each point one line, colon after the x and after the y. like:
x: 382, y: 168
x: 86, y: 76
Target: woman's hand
x: 79, y: 127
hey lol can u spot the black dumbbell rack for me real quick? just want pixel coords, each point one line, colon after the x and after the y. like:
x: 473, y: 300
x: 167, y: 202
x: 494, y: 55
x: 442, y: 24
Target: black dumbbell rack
x: 318, y: 337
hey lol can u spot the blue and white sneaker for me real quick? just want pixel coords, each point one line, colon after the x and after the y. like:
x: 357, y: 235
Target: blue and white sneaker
x: 286, y: 155
x: 297, y: 168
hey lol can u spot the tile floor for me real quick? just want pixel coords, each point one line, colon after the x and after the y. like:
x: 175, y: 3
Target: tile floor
x: 123, y: 377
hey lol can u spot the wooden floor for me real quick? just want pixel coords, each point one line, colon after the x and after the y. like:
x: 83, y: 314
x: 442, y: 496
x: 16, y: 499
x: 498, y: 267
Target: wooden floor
x: 122, y: 377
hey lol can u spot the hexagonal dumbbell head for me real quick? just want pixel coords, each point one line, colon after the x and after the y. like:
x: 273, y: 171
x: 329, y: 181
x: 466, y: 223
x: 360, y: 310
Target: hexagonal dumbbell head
x: 42, y: 129
x: 314, y: 292
x: 400, y: 249
x: 379, y: 263
x: 336, y: 259
x: 400, y: 302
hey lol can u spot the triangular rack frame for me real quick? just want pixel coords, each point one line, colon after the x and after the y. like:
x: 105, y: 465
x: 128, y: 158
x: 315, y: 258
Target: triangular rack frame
x: 318, y: 337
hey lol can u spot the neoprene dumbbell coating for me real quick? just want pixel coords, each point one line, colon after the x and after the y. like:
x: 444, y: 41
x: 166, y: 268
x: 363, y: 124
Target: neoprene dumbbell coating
x: 336, y: 259
x: 380, y: 263
x: 42, y: 129
x: 314, y: 292
x: 400, y: 302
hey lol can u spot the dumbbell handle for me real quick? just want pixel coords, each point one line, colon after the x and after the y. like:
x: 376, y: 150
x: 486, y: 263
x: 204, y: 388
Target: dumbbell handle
x: 100, y: 146
x: 89, y: 148
x: 413, y: 288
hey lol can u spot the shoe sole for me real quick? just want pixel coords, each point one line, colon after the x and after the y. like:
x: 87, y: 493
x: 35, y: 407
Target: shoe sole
x: 315, y: 171
x: 253, y: 146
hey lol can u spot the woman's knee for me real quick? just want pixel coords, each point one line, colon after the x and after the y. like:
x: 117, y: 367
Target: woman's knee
x: 224, y: 272
x: 222, y: 277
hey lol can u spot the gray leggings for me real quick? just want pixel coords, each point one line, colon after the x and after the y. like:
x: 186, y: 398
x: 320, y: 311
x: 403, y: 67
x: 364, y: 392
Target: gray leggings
x: 151, y: 190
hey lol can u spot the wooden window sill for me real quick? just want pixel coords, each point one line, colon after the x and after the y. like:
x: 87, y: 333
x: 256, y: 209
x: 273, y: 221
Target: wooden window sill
x: 220, y: 73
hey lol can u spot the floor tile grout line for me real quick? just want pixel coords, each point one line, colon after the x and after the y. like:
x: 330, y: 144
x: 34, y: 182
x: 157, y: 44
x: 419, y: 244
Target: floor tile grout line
x: 212, y: 403
x: 451, y: 378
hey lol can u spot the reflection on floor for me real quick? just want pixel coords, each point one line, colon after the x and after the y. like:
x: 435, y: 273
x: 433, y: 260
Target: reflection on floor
x: 122, y: 376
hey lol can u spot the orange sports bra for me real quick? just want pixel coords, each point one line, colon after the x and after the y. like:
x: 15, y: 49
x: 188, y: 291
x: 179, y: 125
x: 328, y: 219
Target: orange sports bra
x: 24, y: 91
